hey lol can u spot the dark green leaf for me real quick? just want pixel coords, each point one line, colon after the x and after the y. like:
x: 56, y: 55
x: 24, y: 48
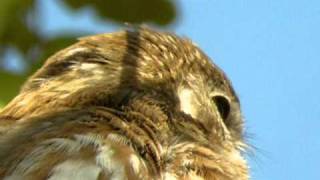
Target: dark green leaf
x: 161, y: 12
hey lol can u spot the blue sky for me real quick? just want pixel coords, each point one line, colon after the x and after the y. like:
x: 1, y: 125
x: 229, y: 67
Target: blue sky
x: 270, y: 51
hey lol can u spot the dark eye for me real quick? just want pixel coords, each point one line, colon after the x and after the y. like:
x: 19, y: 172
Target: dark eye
x: 223, y: 106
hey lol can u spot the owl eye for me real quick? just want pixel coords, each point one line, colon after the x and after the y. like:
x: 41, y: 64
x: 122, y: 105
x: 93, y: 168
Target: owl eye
x: 223, y: 106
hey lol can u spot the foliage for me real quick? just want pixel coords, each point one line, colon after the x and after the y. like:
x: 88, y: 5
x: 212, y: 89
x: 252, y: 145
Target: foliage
x: 20, y: 31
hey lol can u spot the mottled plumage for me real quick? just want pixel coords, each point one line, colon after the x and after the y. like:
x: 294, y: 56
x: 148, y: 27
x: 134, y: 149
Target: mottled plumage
x: 135, y: 104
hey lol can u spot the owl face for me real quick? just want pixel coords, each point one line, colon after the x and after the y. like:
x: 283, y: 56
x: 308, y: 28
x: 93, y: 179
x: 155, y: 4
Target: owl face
x: 119, y: 70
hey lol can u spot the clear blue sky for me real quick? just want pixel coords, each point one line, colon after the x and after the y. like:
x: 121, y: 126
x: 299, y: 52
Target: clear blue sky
x: 270, y: 50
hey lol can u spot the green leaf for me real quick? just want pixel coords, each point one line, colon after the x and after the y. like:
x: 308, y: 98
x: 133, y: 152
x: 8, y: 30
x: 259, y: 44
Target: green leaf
x: 10, y: 85
x: 1, y: 105
x: 161, y: 12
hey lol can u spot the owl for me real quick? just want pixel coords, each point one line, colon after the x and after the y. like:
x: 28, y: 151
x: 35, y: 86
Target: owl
x: 134, y: 104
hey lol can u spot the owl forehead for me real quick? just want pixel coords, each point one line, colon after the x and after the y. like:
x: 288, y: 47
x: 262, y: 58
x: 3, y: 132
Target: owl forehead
x: 166, y: 51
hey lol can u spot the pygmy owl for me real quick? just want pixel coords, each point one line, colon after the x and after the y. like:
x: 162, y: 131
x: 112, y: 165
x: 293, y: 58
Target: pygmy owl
x: 135, y: 104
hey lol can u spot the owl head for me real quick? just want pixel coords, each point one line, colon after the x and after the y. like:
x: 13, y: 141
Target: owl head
x: 116, y: 70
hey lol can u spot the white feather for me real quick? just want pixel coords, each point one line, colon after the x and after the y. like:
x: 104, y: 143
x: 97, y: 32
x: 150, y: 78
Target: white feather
x: 75, y: 169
